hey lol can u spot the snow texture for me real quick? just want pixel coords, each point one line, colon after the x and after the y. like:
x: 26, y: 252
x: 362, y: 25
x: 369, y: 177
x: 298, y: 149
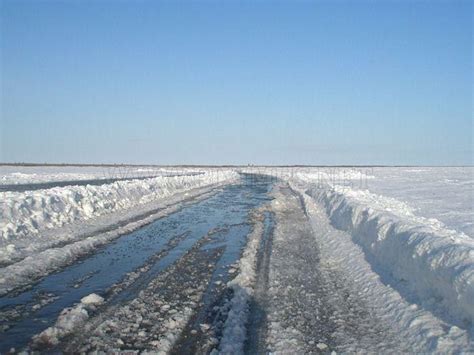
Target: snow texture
x: 68, y: 321
x: 446, y: 194
x: 235, y: 331
x: 419, y: 329
x: 39, y: 254
x: 27, y: 214
x: 435, y: 264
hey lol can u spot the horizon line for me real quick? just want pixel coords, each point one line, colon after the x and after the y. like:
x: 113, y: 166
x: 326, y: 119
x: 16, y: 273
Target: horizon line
x: 238, y: 165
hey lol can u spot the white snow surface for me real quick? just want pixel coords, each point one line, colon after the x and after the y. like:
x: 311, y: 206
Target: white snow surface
x: 413, y: 228
x: 44, y: 246
x: 432, y: 264
x: 420, y: 329
x: 27, y: 214
x: 443, y: 193
x: 404, y: 234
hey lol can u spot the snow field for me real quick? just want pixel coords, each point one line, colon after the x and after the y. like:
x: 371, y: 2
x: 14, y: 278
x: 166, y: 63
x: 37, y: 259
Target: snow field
x: 409, y: 278
x: 446, y: 194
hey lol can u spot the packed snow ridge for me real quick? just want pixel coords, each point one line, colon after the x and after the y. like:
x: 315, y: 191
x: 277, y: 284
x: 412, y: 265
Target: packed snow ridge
x: 235, y: 332
x: 69, y: 320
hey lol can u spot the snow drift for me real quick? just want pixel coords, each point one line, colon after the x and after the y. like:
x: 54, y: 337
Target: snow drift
x: 433, y: 264
x: 28, y: 213
x: 39, y: 244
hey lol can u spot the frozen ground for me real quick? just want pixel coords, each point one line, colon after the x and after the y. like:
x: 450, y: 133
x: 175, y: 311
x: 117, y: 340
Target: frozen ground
x: 302, y: 260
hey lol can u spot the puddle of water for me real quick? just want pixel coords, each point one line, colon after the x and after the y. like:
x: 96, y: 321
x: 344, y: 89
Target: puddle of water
x: 234, y: 241
x: 227, y: 211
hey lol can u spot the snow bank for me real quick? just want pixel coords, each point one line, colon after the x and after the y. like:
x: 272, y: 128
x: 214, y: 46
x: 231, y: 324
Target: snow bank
x: 28, y: 213
x: 419, y: 331
x: 435, y: 264
x: 36, y: 255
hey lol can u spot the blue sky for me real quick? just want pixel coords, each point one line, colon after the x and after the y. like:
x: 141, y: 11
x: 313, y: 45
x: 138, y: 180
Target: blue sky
x: 236, y: 82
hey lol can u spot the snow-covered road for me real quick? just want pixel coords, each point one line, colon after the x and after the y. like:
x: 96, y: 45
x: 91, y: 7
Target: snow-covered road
x: 408, y: 324
x: 267, y: 264
x: 313, y: 305
x: 173, y: 267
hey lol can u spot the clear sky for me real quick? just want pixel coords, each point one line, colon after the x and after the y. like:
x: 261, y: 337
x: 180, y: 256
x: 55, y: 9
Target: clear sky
x: 210, y: 82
